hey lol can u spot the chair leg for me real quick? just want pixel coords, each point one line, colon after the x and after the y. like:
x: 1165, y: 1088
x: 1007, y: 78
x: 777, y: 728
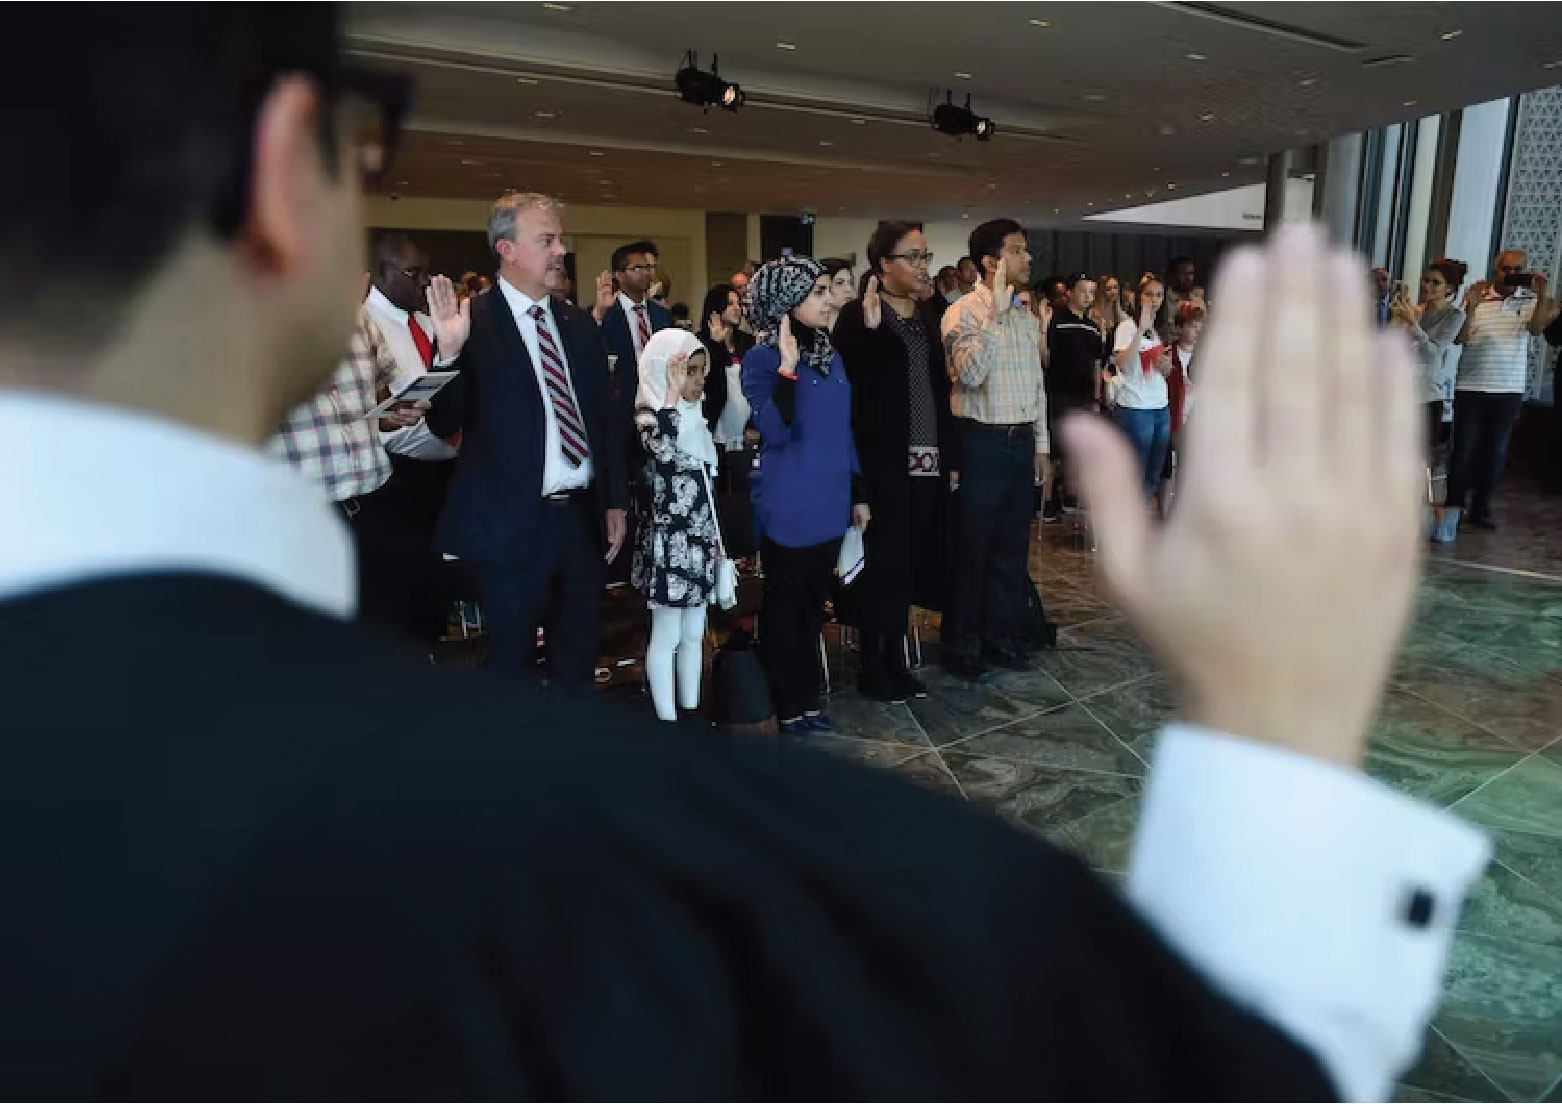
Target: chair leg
x: 824, y: 662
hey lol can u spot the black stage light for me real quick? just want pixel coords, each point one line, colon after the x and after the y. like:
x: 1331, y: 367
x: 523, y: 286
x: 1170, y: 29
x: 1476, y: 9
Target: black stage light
x: 704, y: 89
x: 950, y: 118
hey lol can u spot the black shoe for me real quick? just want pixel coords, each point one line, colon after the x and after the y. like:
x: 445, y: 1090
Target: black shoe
x: 1483, y: 521
x: 1051, y: 514
x: 1011, y: 659
x: 910, y: 686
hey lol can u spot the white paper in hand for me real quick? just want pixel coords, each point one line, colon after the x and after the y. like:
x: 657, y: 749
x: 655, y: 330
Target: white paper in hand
x: 852, y: 559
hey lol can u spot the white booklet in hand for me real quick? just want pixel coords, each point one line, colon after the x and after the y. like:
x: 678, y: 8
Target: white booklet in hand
x: 422, y: 389
x: 852, y: 558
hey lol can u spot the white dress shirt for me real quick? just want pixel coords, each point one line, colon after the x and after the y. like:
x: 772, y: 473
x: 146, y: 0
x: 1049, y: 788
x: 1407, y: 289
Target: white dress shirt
x: 632, y: 314
x: 558, y: 474
x: 416, y: 441
x: 1289, y: 883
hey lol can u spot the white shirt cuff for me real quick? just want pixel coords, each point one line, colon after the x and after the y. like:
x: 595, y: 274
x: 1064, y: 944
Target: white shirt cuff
x: 1312, y: 895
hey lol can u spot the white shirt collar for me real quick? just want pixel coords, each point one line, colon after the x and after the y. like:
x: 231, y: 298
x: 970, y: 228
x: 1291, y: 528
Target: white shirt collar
x: 520, y: 302
x: 106, y: 492
x: 630, y: 306
x: 380, y: 303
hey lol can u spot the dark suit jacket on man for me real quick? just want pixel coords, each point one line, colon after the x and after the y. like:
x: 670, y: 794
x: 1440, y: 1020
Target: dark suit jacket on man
x: 250, y: 850
x: 615, y: 331
x: 492, y: 506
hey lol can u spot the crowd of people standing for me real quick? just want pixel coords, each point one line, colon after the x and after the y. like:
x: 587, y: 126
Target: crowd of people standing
x: 916, y: 406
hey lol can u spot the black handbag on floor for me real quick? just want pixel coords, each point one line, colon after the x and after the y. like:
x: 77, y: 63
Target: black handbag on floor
x: 740, y: 692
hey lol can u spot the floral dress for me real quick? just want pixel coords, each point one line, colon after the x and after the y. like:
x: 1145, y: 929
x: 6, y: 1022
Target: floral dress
x: 677, y: 546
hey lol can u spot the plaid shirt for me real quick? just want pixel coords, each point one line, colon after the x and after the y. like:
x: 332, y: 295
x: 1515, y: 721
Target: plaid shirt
x: 995, y: 364
x: 327, y: 438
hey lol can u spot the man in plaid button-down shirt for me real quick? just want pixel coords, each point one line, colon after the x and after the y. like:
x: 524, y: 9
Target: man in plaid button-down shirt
x: 994, y: 353
x: 331, y: 440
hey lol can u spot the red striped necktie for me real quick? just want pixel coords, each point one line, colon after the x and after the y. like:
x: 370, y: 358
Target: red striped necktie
x: 643, y: 323
x: 572, y: 431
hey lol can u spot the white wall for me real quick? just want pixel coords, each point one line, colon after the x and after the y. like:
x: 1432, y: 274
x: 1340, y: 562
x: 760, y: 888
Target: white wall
x: 1239, y: 208
x: 1483, y: 131
x: 1422, y: 182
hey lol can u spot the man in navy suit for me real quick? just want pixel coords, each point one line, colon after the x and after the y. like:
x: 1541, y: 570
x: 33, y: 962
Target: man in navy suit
x: 538, y: 499
x: 632, y: 316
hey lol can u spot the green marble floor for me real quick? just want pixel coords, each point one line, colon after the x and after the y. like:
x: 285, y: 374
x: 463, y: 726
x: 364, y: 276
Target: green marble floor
x: 1472, y: 721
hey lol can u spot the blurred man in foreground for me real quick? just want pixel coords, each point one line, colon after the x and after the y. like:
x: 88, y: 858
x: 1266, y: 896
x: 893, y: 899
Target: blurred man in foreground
x: 226, y: 873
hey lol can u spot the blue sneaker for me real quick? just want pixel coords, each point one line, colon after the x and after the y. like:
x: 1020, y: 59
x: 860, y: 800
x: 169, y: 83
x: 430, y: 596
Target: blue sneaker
x: 818, y: 722
x: 798, y: 728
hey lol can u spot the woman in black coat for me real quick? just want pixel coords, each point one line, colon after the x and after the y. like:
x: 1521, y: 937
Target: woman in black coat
x: 889, y: 342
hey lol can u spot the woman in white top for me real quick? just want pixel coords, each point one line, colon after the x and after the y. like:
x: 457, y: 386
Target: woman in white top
x: 1143, y: 362
x: 1432, y: 327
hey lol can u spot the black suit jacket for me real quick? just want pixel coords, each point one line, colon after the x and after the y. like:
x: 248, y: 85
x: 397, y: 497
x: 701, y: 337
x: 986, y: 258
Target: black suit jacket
x: 491, y: 509
x: 615, y: 331
x: 249, y: 851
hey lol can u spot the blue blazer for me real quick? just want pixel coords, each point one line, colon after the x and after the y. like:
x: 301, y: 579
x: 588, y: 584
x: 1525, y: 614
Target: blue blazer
x: 615, y: 331
x: 491, y: 510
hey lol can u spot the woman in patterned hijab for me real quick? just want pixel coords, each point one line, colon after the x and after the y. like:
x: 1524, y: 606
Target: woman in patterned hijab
x: 800, y: 402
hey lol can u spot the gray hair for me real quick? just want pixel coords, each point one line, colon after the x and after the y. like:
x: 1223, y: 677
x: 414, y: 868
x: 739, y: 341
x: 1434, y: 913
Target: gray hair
x: 501, y: 223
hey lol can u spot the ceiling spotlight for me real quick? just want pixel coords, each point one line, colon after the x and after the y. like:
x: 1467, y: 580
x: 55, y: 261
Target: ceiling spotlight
x: 1449, y: 36
x: 1039, y: 23
x: 704, y: 89
x: 950, y: 118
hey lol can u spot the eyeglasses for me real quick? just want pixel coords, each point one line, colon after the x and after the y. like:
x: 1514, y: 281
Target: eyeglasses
x: 916, y: 260
x: 640, y: 268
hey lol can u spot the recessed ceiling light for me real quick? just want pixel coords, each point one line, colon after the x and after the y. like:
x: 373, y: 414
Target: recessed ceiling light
x: 715, y: 164
x: 825, y: 142
x: 1094, y: 97
x: 1247, y: 161
x: 1167, y: 130
x: 1040, y: 23
x: 1307, y: 82
x: 860, y: 122
x: 1056, y: 211
x: 527, y: 80
x: 1449, y: 36
x: 1155, y: 168
x: 965, y: 214
x: 840, y: 208
x: 698, y: 130
x: 402, y: 183
x: 1207, y: 117
x: 559, y: 7
x: 595, y: 153
x: 470, y: 161
x: 962, y: 76
x: 452, y: 141
x: 1552, y: 65
x: 546, y: 114
x: 1410, y: 103
x: 786, y: 45
x: 1225, y: 174
x: 1170, y: 187
x: 1195, y: 57
x: 1302, y: 132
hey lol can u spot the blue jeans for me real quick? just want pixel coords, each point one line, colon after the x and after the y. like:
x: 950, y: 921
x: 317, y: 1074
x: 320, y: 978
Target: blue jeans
x: 1149, y: 431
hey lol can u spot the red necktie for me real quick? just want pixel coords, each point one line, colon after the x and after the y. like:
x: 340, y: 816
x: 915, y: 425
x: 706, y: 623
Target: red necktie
x: 420, y: 339
x: 572, y: 432
x: 426, y: 351
x: 644, y: 324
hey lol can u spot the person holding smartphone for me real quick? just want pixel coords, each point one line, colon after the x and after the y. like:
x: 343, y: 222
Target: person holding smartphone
x: 1501, y: 315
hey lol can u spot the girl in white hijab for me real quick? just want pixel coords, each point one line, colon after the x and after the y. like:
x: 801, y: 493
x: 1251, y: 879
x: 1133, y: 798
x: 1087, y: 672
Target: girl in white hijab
x: 679, y: 543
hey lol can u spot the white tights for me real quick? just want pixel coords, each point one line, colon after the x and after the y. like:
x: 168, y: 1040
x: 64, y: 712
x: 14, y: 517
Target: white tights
x: 681, y: 631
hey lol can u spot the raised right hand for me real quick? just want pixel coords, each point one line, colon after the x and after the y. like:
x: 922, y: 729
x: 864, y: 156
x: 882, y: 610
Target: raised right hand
x: 1003, y: 298
x: 872, y: 304
x: 786, y: 341
x: 1277, y: 592
x: 677, y: 372
x: 1476, y: 293
x: 605, y: 294
x: 717, y: 325
x: 452, y: 317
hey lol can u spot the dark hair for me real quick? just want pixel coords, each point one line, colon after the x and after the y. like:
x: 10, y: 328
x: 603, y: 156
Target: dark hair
x: 1074, y: 279
x: 622, y: 254
x: 947, y: 270
x: 1178, y: 261
x: 680, y: 312
x: 883, y: 240
x: 715, y: 303
x: 1453, y: 271
x: 987, y: 239
x: 965, y: 258
x: 391, y: 246
x: 138, y: 124
x: 832, y: 265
